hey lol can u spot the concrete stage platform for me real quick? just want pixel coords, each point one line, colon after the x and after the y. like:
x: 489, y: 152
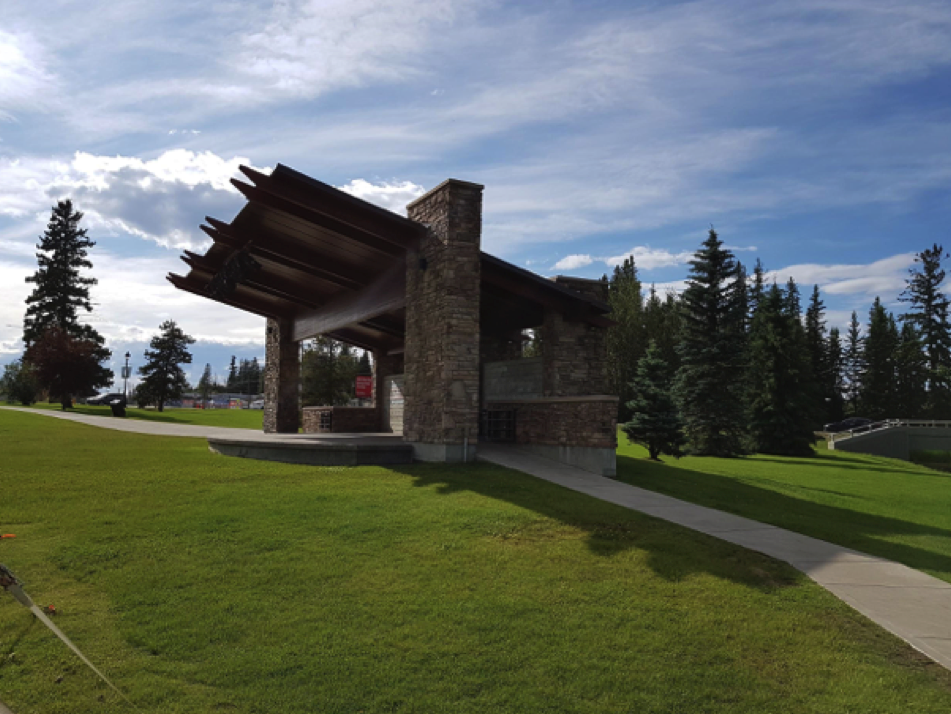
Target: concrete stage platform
x: 316, y: 449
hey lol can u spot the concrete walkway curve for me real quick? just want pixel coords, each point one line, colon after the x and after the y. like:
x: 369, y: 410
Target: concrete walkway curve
x: 908, y: 603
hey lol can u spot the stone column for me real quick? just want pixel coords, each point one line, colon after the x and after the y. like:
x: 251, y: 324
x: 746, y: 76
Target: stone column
x: 281, y: 379
x: 575, y: 353
x: 442, y: 324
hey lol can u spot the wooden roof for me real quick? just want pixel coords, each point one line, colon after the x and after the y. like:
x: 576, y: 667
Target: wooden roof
x: 302, y: 250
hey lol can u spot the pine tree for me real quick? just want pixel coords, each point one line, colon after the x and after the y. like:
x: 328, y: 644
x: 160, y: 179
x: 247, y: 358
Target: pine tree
x: 877, y: 398
x: 206, y: 383
x: 328, y: 372
x: 626, y: 337
x: 781, y: 406
x: 232, y: 374
x: 366, y: 369
x: 162, y: 373
x: 854, y: 363
x: 929, y: 308
x: 61, y: 292
x: 911, y: 368
x: 758, y: 289
x: 835, y: 377
x: 815, y: 335
x: 792, y: 304
x: 654, y: 423
x: 710, y: 382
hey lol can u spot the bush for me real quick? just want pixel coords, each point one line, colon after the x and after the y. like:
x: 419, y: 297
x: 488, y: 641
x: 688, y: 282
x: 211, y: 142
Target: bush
x: 19, y: 383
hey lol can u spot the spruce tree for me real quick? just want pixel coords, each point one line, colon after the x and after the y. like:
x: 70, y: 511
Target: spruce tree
x: 911, y: 368
x: 781, y: 406
x: 232, y: 374
x: 854, y: 363
x: 206, y: 383
x: 818, y: 355
x: 626, y: 337
x: 758, y: 288
x: 654, y: 423
x: 929, y: 308
x: 710, y: 382
x: 834, y: 385
x: 163, y: 376
x: 877, y: 398
x: 60, y: 290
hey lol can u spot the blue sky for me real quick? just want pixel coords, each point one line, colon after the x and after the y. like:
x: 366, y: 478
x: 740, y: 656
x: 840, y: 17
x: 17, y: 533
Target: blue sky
x: 813, y: 135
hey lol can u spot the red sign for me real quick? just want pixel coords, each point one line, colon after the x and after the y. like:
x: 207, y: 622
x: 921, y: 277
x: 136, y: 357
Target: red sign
x: 364, y: 387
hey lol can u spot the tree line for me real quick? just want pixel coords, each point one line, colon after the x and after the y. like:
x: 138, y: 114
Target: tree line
x: 734, y: 365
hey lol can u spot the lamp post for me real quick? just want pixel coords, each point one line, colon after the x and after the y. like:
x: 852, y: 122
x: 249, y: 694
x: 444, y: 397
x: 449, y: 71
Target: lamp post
x: 125, y: 376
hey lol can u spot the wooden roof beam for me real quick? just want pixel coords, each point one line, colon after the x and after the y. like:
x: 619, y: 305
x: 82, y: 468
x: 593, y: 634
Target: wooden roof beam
x: 285, y: 254
x: 271, y: 198
x: 260, y: 282
x: 242, y: 302
x: 338, y: 204
x: 386, y: 294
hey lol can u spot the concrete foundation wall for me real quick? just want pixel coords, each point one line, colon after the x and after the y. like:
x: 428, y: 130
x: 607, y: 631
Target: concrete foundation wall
x: 898, y: 442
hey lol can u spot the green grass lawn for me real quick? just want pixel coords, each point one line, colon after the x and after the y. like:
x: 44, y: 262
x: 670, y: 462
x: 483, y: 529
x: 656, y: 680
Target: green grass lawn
x: 890, y: 508
x: 237, y: 418
x: 202, y: 583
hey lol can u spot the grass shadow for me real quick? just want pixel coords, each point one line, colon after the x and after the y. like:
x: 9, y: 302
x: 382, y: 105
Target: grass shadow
x: 673, y: 552
x: 858, y: 530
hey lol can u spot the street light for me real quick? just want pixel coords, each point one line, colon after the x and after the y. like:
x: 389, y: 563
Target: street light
x: 125, y: 376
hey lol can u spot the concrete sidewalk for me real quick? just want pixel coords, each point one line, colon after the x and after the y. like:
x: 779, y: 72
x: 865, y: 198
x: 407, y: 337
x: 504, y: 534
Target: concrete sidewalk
x: 908, y: 603
x: 195, y: 431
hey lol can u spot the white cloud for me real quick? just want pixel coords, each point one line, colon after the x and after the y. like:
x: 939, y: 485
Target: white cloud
x: 572, y: 262
x: 25, y: 82
x: 647, y: 258
x: 310, y: 47
x: 393, y: 196
x: 885, y: 277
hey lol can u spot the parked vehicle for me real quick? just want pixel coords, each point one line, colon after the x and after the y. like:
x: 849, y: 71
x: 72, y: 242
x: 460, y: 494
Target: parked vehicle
x: 104, y: 399
x: 257, y: 404
x: 847, y: 424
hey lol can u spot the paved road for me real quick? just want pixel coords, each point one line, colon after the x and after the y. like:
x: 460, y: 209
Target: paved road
x: 908, y: 603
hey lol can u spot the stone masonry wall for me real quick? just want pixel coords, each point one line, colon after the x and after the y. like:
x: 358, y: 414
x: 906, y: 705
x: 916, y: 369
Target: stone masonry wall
x: 345, y: 420
x: 442, y: 317
x: 281, y: 379
x: 565, y: 422
x: 575, y: 352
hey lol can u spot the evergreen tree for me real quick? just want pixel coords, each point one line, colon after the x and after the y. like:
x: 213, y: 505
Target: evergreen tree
x: 834, y: 377
x: 163, y: 376
x: 626, y: 337
x: 815, y: 338
x: 710, y: 382
x: 366, y: 369
x: 206, y: 383
x: 854, y: 363
x: 232, y: 374
x: 328, y: 372
x: 662, y: 325
x: 877, y: 398
x: 654, y: 423
x: 911, y: 368
x: 61, y: 291
x: 929, y: 308
x: 758, y: 289
x: 781, y: 407
x: 792, y: 304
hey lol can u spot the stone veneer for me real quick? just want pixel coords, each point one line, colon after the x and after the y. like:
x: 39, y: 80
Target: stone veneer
x: 281, y: 379
x: 344, y: 420
x: 441, y: 384
x: 575, y: 352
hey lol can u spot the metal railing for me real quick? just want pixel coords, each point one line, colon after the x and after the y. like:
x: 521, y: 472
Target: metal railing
x: 888, y: 424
